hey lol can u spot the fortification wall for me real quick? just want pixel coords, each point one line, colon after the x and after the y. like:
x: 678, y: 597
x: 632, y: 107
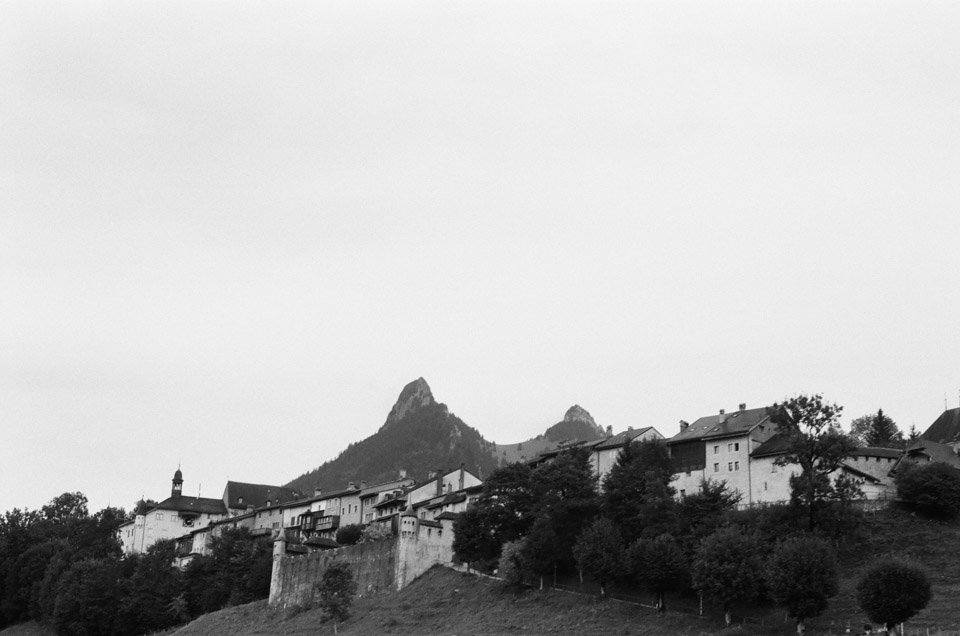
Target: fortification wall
x: 419, y: 554
x: 373, y: 565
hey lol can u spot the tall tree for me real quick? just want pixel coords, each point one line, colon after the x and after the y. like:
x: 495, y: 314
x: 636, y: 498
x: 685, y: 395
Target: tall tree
x: 599, y: 553
x: 893, y: 592
x: 336, y: 589
x: 637, y: 495
x: 659, y: 565
x: 701, y: 513
x: 728, y: 568
x: 564, y: 491
x: 817, y: 444
x: 802, y: 576
x: 876, y: 429
x: 541, y: 551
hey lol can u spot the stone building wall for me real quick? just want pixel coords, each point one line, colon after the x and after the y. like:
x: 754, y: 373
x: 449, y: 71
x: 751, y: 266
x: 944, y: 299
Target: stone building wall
x: 373, y: 566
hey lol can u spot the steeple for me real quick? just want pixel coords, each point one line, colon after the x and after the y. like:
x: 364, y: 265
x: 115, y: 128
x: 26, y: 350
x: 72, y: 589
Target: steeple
x: 177, y: 483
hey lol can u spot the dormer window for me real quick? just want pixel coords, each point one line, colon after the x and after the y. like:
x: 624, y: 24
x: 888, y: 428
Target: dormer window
x: 240, y: 500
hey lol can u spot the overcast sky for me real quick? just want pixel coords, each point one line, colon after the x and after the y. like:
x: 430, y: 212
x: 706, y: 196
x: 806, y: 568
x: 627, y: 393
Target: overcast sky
x: 230, y: 232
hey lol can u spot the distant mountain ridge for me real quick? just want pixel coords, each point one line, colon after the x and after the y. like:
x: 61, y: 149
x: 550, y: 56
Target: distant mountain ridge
x: 420, y: 435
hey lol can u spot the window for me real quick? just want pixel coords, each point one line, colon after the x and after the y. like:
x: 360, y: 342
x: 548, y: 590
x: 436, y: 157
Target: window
x: 159, y: 516
x: 276, y: 524
x: 773, y: 467
x: 736, y: 465
x: 683, y: 493
x: 716, y: 468
x: 736, y: 446
x: 716, y: 449
x: 174, y: 518
x: 688, y: 473
x: 764, y: 485
x: 729, y: 467
x: 729, y: 448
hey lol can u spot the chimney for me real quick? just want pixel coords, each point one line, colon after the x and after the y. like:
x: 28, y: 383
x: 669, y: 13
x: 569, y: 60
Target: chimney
x: 317, y: 491
x: 439, y: 482
x: 743, y: 406
x: 351, y: 486
x: 461, y: 476
x: 723, y: 416
x: 683, y: 425
x: 403, y: 473
x: 609, y: 431
x: 363, y: 484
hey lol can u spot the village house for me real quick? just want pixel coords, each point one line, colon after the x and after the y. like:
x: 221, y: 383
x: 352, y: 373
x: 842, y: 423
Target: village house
x: 719, y: 447
x: 604, y: 452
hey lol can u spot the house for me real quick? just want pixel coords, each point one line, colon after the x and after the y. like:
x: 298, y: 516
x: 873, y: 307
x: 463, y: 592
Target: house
x: 718, y: 447
x: 370, y: 496
x: 179, y: 515
x: 240, y: 497
x: 923, y: 451
x: 170, y: 519
x: 769, y: 479
x: 945, y: 429
x: 604, y: 452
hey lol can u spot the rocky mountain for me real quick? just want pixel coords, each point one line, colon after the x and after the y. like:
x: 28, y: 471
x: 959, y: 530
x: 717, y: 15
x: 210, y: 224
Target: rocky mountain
x: 419, y: 435
x: 577, y: 424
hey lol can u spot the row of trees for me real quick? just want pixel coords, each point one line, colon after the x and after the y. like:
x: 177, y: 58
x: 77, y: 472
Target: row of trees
x: 536, y: 522
x: 64, y: 567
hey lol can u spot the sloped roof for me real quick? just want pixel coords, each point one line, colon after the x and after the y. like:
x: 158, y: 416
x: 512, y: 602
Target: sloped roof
x: 199, y: 505
x: 779, y: 444
x: 711, y: 426
x: 935, y: 451
x: 256, y: 495
x: 946, y: 428
x: 620, y: 439
x: 859, y: 473
x: 448, y: 515
x: 395, y: 484
x: 876, y: 451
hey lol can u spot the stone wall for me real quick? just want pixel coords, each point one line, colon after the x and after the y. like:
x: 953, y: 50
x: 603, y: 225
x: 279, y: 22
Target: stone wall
x: 373, y: 566
x: 380, y: 566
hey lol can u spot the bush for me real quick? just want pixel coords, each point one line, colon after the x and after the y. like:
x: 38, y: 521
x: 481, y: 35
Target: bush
x: 336, y: 589
x: 349, y: 535
x: 932, y: 488
x: 510, y: 568
x: 893, y: 592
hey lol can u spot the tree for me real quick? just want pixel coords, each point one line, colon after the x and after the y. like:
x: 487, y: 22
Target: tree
x: 932, y: 488
x: 659, y: 565
x: 151, y: 588
x: 564, y: 491
x: 876, y: 430
x: 728, y: 568
x: 541, y: 549
x: 502, y: 513
x: 336, y: 589
x: 817, y: 444
x: 893, y: 592
x: 350, y: 534
x: 637, y: 495
x: 599, y: 552
x: 510, y: 568
x: 802, y: 576
x: 701, y: 513
x: 88, y: 599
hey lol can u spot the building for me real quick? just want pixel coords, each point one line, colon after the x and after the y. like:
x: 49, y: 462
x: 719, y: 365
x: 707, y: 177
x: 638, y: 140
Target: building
x: 604, y: 452
x: 719, y: 447
x: 170, y: 519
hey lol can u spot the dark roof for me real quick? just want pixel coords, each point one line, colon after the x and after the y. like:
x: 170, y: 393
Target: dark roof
x: 199, y: 505
x: 322, y: 497
x: 430, y: 523
x: 620, y: 439
x: 256, y: 495
x: 779, y: 444
x: 395, y: 484
x: 450, y: 498
x: 402, y: 498
x: 945, y: 429
x: 710, y: 427
x: 876, y: 451
x: 935, y: 451
x: 448, y: 515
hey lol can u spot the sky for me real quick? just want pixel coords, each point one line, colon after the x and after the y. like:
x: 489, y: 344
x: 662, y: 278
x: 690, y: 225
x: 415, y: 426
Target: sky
x: 230, y: 232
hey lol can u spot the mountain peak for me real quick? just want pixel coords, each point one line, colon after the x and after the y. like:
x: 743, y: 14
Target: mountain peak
x: 414, y: 396
x: 576, y: 413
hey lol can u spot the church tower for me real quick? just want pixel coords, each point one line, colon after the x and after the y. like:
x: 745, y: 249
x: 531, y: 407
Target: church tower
x: 177, y: 484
